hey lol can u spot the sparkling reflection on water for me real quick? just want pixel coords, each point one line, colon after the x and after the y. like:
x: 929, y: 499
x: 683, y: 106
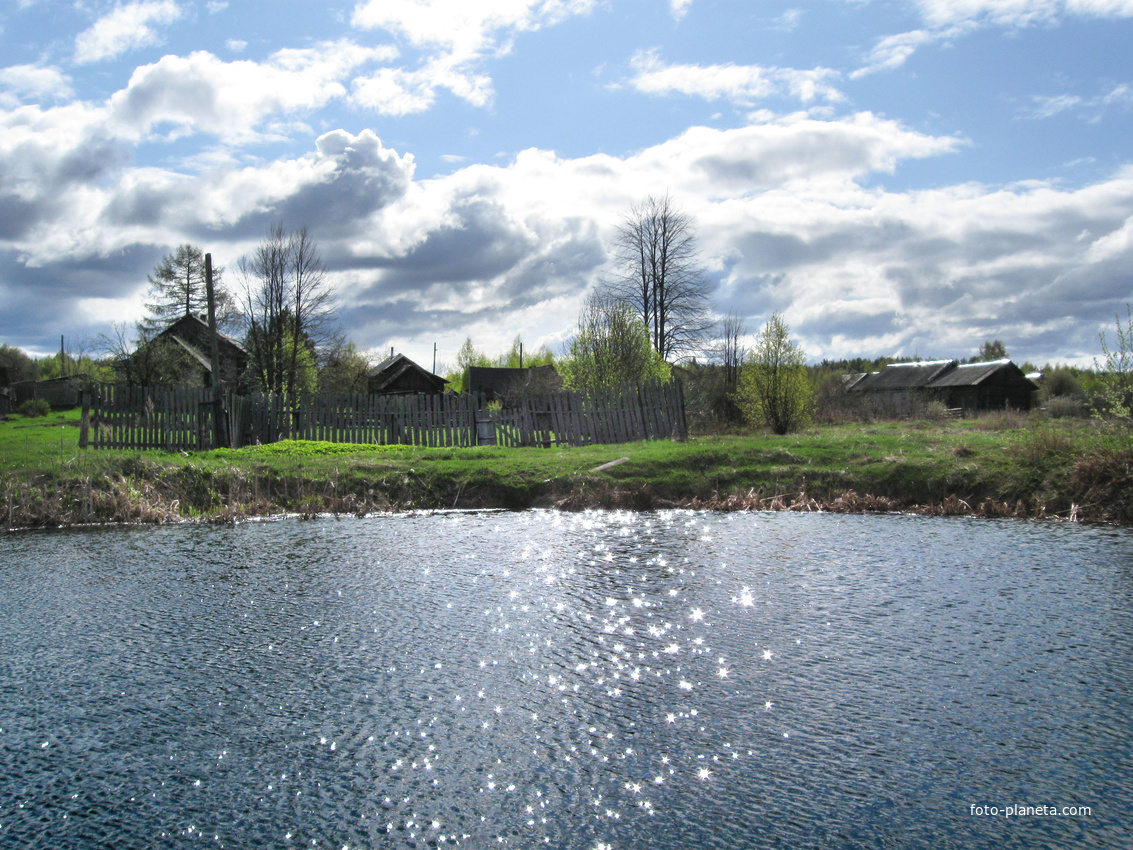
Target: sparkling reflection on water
x: 597, y: 680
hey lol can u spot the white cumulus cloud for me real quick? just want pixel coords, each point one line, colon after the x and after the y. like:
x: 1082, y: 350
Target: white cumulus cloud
x: 20, y: 83
x: 739, y: 84
x: 128, y: 27
x: 232, y: 100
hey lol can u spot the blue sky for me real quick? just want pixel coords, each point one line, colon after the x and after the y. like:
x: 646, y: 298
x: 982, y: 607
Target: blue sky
x: 910, y: 177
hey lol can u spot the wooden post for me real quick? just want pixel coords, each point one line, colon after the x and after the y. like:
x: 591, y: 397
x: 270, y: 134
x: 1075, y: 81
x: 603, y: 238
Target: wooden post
x: 84, y: 425
x: 219, y: 431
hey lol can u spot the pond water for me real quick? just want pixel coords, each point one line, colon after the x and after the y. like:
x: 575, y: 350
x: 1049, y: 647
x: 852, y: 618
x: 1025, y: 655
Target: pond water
x: 594, y: 680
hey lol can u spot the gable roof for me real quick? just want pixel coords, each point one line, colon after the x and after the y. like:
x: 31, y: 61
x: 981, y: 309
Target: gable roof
x: 905, y: 376
x: 396, y: 367
x: 191, y: 333
x: 973, y: 374
x: 938, y: 374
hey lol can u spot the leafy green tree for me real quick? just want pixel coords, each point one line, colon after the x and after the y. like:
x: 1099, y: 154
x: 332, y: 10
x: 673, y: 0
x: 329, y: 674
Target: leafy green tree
x: 469, y: 355
x: 991, y: 350
x: 344, y: 370
x: 775, y: 388
x: 612, y: 346
x: 1115, y: 372
x: 22, y: 367
x: 519, y: 357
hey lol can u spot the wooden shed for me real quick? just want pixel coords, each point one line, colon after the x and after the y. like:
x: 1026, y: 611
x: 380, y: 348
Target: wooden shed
x: 60, y: 393
x: 398, y: 375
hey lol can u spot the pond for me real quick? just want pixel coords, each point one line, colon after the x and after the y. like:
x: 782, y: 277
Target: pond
x: 592, y: 680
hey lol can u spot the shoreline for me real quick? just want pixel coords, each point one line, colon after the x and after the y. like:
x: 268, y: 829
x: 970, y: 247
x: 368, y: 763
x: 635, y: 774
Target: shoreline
x: 164, y: 512
x: 1002, y: 466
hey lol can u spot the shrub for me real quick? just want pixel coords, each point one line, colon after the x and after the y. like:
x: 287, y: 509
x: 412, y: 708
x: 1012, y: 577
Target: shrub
x: 1116, y: 372
x: 34, y: 407
x: 774, y: 386
x: 1062, y: 406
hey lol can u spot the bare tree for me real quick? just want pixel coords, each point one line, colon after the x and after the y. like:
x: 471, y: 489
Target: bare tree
x: 728, y: 354
x: 660, y: 276
x: 288, y: 307
x: 732, y: 351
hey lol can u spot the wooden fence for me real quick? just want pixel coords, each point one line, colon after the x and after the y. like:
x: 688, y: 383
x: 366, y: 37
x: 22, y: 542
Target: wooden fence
x: 183, y: 419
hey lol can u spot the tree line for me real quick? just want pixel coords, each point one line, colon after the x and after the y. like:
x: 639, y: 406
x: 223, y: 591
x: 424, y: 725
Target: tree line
x: 651, y: 316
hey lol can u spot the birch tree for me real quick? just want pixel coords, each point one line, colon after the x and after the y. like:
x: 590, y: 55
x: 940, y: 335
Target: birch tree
x: 288, y: 307
x: 660, y: 275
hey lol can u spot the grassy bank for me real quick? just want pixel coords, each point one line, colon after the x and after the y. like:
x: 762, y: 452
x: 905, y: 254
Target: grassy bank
x: 1000, y: 465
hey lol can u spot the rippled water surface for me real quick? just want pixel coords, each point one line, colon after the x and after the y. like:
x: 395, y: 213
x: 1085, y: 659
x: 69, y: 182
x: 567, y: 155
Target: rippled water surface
x: 597, y: 680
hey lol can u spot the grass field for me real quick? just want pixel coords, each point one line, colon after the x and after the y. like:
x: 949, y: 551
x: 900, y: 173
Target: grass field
x: 1001, y: 464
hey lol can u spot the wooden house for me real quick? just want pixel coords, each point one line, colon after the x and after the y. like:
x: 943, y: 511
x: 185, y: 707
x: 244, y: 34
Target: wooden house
x: 192, y: 334
x: 992, y: 385
x: 499, y: 383
x: 398, y: 375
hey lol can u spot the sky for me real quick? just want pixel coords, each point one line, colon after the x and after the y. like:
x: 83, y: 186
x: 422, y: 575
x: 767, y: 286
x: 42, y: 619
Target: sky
x: 895, y: 177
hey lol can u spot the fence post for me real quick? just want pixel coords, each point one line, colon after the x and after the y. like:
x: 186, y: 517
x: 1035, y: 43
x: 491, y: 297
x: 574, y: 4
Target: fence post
x: 84, y: 425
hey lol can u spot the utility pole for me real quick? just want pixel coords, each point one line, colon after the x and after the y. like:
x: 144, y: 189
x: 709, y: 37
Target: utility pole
x: 434, y: 358
x: 218, y: 418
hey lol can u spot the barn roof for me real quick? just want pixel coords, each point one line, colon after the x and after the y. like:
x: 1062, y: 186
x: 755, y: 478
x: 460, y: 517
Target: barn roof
x: 905, y: 376
x: 973, y: 374
x: 936, y: 374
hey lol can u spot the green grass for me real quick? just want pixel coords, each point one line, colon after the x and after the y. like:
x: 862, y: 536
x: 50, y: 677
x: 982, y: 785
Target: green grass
x: 995, y: 465
x: 33, y: 443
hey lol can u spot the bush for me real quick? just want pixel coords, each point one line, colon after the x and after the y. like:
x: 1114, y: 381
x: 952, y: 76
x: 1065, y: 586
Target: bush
x: 1061, y: 382
x: 34, y: 407
x: 774, y: 386
x: 1063, y: 406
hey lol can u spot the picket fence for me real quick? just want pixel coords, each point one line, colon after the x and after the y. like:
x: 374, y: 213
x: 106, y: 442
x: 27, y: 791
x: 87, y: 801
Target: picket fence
x: 121, y: 417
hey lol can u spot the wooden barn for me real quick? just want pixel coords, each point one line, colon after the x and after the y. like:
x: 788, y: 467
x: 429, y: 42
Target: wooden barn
x: 192, y: 334
x: 902, y: 377
x: 398, y: 375
x: 498, y: 383
x: 7, y: 370
x: 993, y: 385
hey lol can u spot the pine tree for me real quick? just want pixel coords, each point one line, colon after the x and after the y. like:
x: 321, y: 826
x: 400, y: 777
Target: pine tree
x: 177, y: 288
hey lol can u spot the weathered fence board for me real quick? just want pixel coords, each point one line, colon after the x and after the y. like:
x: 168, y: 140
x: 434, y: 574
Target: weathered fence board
x: 182, y: 419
